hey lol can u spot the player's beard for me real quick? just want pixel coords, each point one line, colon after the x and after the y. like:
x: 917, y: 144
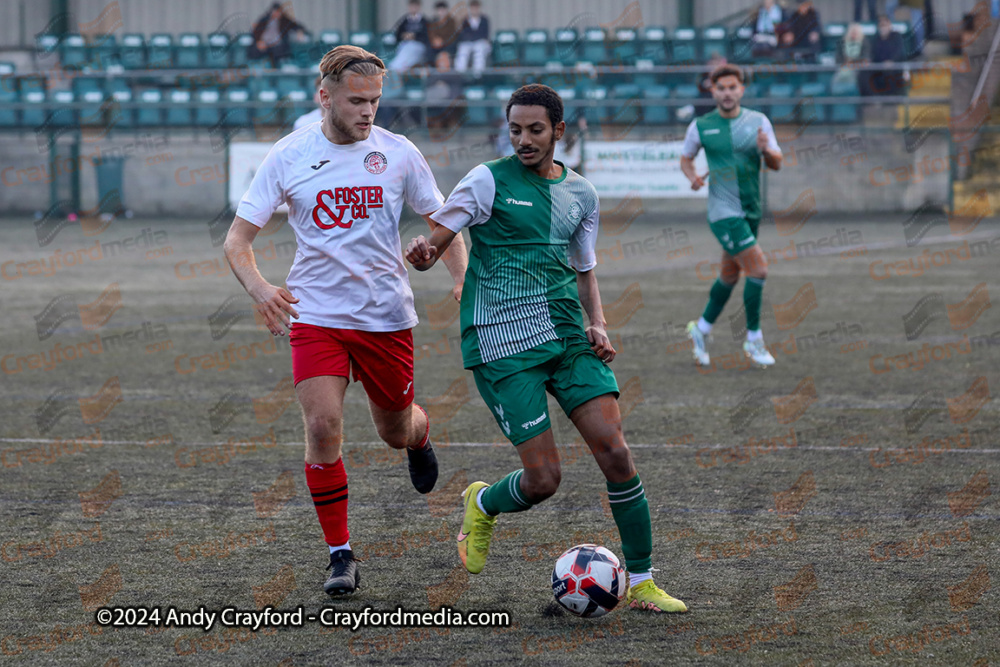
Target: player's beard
x: 346, y: 129
x: 540, y: 155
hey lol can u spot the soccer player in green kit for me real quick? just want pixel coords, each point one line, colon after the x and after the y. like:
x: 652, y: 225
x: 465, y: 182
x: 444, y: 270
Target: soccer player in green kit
x: 533, y: 224
x: 735, y: 140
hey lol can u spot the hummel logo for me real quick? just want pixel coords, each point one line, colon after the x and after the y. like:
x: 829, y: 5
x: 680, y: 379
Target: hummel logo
x: 534, y: 422
x: 321, y: 163
x: 511, y: 200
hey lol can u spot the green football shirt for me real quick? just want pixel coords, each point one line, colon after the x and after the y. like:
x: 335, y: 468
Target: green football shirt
x: 733, y: 161
x: 530, y: 235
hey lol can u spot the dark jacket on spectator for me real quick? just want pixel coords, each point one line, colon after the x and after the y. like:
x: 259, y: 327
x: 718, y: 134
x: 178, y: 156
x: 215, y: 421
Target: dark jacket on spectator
x: 887, y: 50
x: 467, y: 33
x: 803, y: 24
x: 285, y: 26
x: 417, y: 26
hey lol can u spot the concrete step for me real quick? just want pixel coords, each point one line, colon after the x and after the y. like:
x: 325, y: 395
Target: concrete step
x: 974, y: 200
x: 924, y: 115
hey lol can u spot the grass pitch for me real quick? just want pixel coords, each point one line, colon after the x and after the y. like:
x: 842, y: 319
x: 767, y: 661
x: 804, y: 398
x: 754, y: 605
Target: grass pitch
x: 834, y: 509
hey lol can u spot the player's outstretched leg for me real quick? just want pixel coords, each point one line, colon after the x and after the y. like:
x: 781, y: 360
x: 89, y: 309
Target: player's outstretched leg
x: 409, y: 429
x: 754, y: 263
x: 599, y: 422
x: 322, y: 399
x: 700, y: 331
x: 517, y: 492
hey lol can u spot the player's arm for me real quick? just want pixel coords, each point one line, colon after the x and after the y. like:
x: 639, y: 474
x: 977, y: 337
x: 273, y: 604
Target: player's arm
x: 692, y: 144
x: 273, y: 303
x: 767, y: 143
x: 423, y: 253
x: 590, y: 299
x: 455, y: 259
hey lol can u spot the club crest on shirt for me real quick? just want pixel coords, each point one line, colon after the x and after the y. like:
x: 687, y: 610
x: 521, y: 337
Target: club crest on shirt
x: 375, y: 162
x: 575, y: 213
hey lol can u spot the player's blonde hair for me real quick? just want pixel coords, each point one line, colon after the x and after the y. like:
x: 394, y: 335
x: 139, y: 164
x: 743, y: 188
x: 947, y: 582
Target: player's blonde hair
x: 350, y: 58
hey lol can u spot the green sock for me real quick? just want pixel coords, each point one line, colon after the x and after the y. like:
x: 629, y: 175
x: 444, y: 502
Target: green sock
x: 631, y: 513
x: 506, y: 495
x: 717, y: 298
x: 752, y: 290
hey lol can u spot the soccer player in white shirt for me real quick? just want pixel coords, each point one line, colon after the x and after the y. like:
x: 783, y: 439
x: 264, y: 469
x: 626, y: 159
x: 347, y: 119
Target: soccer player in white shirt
x: 345, y: 181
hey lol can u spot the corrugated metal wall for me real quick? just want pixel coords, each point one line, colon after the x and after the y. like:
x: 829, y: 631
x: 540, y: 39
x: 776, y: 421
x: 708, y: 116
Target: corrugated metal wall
x: 204, y: 16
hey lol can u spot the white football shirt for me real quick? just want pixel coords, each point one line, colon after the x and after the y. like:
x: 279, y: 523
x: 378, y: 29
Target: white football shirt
x: 344, y: 204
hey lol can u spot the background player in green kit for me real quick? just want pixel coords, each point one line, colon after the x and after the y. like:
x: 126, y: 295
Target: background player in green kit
x: 533, y: 224
x: 735, y: 139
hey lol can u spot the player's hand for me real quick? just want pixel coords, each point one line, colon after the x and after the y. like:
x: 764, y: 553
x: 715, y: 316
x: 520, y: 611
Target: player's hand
x: 600, y: 343
x: 762, y: 142
x: 421, y: 254
x: 698, y: 182
x: 275, y: 305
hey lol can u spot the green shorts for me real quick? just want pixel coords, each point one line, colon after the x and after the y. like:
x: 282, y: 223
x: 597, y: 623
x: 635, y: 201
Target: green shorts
x: 514, y: 387
x: 735, y: 234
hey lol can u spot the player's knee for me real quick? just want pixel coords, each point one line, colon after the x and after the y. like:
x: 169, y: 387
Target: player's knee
x: 617, y: 462
x: 395, y: 436
x: 324, y: 430
x: 542, y: 484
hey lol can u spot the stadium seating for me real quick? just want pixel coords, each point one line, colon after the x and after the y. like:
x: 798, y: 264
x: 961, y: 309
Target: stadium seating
x: 73, y: 52
x: 32, y: 91
x: 625, y: 46
x: 269, y: 111
x: 8, y: 95
x: 833, y: 35
x: 594, y: 48
x: 90, y: 92
x: 62, y: 113
x: 506, y: 48
x: 809, y: 110
x: 714, y: 41
x: 626, y: 109
x: 207, y: 116
x: 841, y: 112
x: 654, y: 45
x: 179, y: 111
x: 188, y: 52
x: 535, y: 51
x: 362, y: 38
x: 238, y: 50
x: 741, y: 45
x: 103, y: 52
x: 132, y: 53
x: 476, y: 115
x: 684, y: 46
x: 387, y: 46
x: 656, y: 114
x: 215, y: 52
x: 149, y: 112
x: 160, y: 52
x: 236, y: 113
x: 782, y: 111
x: 121, y: 93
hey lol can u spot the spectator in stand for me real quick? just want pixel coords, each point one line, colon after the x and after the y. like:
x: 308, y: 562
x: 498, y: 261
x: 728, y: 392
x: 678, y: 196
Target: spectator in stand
x: 271, y: 34
x: 766, y: 19
x: 442, y: 31
x: 411, y: 39
x: 853, y: 52
x: 872, y: 10
x: 443, y: 86
x: 803, y: 32
x: 887, y: 47
x: 912, y: 12
x: 473, y: 39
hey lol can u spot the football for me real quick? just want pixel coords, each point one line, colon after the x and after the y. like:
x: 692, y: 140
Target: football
x: 588, y: 580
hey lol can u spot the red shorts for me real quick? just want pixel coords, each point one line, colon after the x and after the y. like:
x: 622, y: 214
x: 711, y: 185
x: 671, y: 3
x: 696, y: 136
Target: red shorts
x: 382, y: 360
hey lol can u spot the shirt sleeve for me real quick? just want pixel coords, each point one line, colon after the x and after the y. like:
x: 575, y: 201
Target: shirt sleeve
x: 582, y: 252
x: 692, y: 141
x: 772, y: 141
x: 421, y: 191
x: 266, y: 191
x: 470, y: 203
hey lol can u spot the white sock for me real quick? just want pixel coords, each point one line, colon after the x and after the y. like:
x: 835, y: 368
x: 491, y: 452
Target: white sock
x: 345, y: 546
x: 754, y: 335
x: 704, y: 326
x: 479, y: 501
x: 636, y: 578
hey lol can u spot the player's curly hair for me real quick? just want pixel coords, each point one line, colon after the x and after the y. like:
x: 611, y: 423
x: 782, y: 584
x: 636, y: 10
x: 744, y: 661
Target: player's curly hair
x: 728, y: 69
x: 538, y: 94
x: 350, y: 58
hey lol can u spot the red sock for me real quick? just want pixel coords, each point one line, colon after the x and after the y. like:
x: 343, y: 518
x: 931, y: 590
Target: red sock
x: 427, y: 434
x: 327, y: 483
